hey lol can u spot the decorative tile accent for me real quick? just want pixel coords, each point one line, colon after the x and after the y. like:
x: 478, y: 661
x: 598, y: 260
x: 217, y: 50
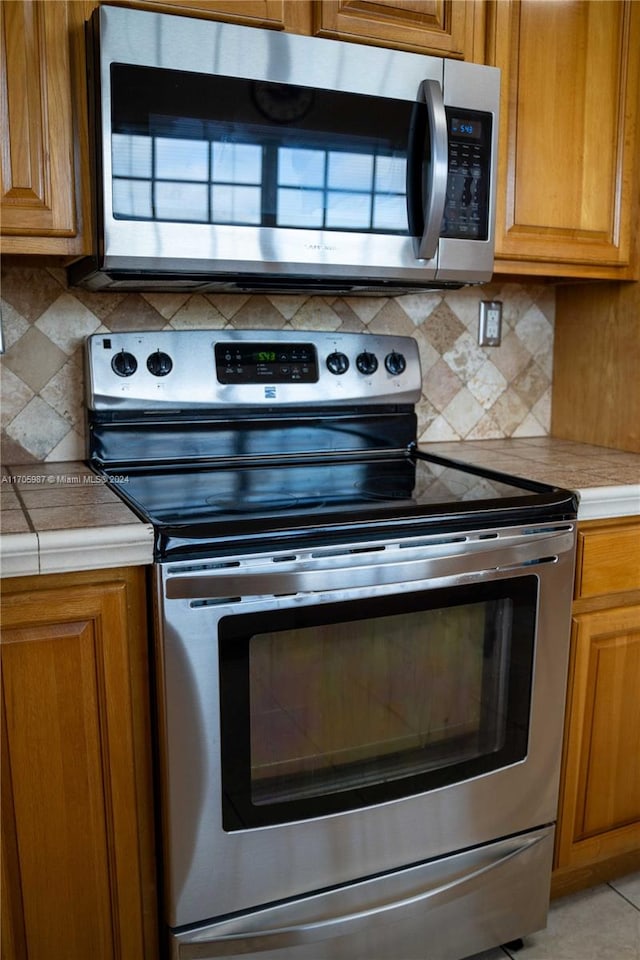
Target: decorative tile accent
x: 463, y: 412
x: 469, y: 392
x: 420, y: 306
x: 71, y: 447
x: 65, y: 391
x: 67, y: 323
x: 464, y: 304
x: 38, y: 428
x: 442, y: 384
x: 134, y: 313
x: 365, y: 308
x: 29, y: 290
x: 392, y: 319
x: 531, y: 383
x: 535, y: 331
x: 14, y: 325
x: 167, y: 304
x: 198, y: 312
x: 509, y: 411
x: 315, y: 313
x: 512, y: 356
x: 487, y: 384
x: 15, y: 396
x: 443, y: 327
x: 35, y: 359
x: 465, y: 356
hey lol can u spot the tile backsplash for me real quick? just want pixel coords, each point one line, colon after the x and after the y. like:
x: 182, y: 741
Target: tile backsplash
x: 469, y: 392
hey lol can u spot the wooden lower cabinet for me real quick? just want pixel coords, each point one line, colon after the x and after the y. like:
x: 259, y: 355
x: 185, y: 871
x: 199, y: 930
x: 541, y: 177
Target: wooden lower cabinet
x: 78, y: 869
x: 599, y: 818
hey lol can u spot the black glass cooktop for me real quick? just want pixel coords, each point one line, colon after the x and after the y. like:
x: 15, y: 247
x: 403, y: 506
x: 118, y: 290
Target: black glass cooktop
x: 227, y: 503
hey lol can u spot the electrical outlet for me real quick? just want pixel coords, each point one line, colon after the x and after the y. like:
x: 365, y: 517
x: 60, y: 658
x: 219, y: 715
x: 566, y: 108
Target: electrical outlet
x: 490, y: 323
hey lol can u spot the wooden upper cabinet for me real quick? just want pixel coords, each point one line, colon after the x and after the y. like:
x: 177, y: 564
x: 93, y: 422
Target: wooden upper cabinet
x: 446, y: 28
x: 276, y: 14
x: 39, y: 208
x: 568, y: 131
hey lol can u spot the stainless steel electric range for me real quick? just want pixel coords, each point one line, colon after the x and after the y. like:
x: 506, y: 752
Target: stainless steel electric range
x: 360, y: 649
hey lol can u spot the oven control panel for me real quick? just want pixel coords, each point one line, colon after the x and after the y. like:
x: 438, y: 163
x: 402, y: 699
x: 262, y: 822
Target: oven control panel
x: 266, y: 362
x: 249, y: 368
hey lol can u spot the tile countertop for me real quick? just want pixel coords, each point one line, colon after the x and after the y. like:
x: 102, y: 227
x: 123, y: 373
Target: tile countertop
x: 59, y: 517
x: 608, y: 481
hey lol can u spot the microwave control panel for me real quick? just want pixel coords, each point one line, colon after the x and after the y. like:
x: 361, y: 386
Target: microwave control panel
x: 466, y: 212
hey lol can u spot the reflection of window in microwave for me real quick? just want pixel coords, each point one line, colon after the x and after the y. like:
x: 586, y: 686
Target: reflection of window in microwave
x: 197, y: 180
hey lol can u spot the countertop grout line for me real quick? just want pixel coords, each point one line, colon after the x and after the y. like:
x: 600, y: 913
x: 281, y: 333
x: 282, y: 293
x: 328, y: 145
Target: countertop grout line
x: 25, y: 512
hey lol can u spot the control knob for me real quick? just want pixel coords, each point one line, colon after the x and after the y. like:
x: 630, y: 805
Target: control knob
x: 124, y: 364
x: 367, y: 363
x: 337, y: 363
x: 159, y: 363
x: 395, y: 363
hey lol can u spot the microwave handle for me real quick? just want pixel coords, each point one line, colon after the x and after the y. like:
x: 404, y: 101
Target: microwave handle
x: 435, y: 191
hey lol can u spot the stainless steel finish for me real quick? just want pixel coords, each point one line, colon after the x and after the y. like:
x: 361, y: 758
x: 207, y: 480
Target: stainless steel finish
x: 211, y: 872
x: 419, y: 831
x: 435, y: 192
x: 344, y: 258
x: 460, y: 257
x: 398, y: 914
x: 394, y: 566
x: 192, y: 382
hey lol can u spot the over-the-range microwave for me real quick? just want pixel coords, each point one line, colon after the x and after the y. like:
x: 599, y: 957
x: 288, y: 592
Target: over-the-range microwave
x: 234, y: 158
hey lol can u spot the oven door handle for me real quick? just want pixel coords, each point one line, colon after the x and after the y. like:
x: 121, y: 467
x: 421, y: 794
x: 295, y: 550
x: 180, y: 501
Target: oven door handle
x: 319, y: 579
x: 209, y: 943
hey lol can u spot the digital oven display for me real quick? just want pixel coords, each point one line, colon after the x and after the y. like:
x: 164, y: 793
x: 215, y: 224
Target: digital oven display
x: 266, y: 363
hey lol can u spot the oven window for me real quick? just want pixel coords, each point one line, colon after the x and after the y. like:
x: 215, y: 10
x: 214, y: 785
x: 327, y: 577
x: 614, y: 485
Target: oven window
x: 196, y: 148
x: 334, y: 707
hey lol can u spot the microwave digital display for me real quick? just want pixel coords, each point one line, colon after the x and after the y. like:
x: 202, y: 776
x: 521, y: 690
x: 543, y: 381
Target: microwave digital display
x: 469, y: 127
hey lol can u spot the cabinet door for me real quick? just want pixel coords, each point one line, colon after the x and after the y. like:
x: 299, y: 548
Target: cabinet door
x: 37, y: 160
x: 76, y: 806
x: 279, y: 14
x: 600, y: 805
x: 451, y: 28
x: 567, y: 131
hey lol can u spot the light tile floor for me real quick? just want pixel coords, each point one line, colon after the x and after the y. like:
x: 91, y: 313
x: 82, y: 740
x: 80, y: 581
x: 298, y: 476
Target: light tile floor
x: 602, y: 923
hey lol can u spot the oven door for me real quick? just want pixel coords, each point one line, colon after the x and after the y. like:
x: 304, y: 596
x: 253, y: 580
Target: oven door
x: 338, y: 712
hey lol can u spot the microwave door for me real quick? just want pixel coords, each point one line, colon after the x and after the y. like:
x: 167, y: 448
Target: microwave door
x: 427, y: 169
